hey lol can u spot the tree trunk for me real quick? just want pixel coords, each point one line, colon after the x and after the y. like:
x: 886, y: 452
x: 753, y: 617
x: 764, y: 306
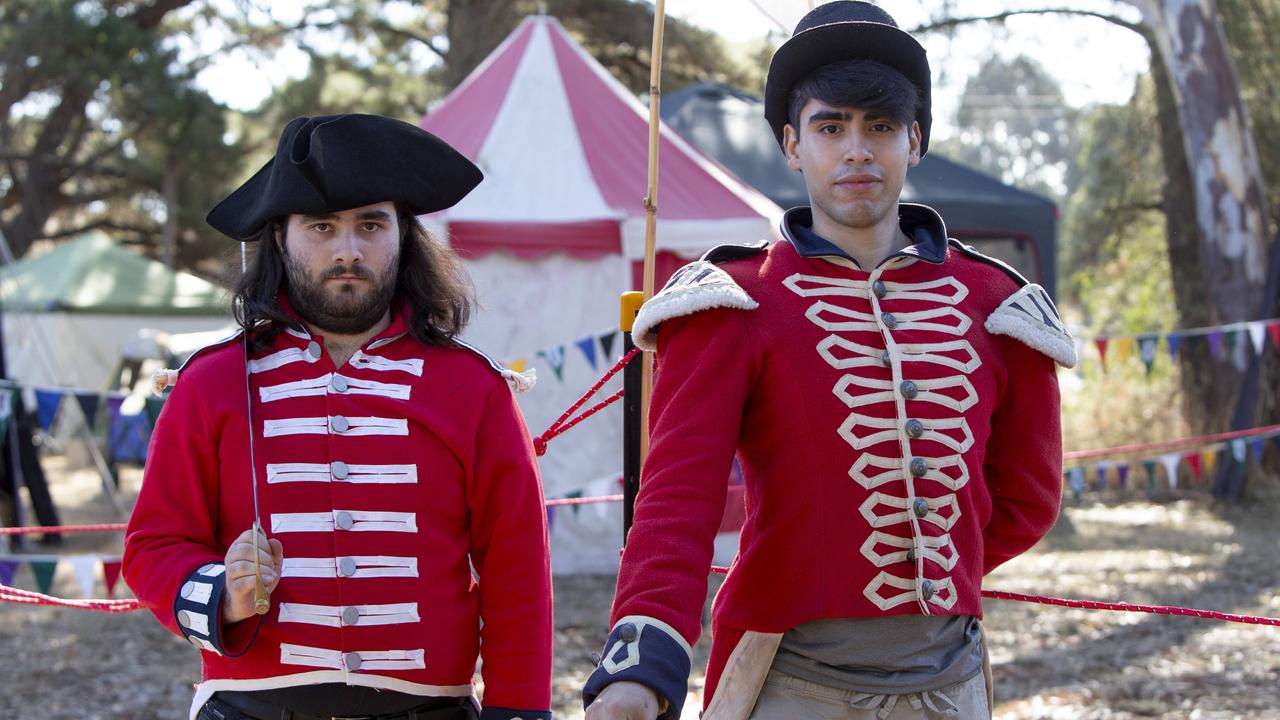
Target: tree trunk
x: 475, y: 28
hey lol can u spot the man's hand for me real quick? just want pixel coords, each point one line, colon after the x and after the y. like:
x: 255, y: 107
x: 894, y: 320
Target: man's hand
x: 237, y: 600
x: 626, y: 700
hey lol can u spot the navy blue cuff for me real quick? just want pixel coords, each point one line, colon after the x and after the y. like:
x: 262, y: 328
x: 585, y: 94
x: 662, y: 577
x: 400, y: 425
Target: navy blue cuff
x: 648, y: 651
x: 500, y: 713
x: 198, y: 607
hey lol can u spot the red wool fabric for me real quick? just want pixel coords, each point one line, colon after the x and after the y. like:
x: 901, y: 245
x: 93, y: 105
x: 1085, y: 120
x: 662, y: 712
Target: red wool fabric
x: 755, y: 383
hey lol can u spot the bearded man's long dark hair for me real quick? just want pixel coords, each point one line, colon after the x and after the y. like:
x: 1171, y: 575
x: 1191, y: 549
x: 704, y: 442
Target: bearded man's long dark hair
x: 430, y: 278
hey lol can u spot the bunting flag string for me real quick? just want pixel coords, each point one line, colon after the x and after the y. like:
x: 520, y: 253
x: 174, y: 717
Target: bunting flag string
x: 44, y: 568
x: 555, y: 356
x: 1201, y: 460
x: 1231, y: 341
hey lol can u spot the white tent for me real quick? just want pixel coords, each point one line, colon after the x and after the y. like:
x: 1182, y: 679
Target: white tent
x: 554, y: 234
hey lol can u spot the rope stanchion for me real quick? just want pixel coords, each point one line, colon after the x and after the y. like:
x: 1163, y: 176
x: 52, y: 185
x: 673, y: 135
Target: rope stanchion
x: 563, y: 422
x: 55, y: 529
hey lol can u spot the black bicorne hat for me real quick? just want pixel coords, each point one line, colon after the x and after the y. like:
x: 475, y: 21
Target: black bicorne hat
x: 331, y: 163
x: 838, y: 31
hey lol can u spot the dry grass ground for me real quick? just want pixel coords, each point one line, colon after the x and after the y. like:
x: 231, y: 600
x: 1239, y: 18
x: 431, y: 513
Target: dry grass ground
x: 1050, y: 663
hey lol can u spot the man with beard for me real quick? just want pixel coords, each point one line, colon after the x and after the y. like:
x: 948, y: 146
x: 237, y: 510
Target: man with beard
x: 890, y: 395
x: 403, y: 533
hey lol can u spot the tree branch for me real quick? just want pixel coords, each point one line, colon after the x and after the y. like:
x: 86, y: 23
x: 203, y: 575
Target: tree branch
x: 150, y: 16
x: 386, y: 27
x: 1000, y: 17
x: 103, y: 224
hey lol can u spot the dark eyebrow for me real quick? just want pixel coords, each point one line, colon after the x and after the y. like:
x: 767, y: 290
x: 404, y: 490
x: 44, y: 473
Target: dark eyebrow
x: 825, y: 115
x: 316, y: 218
x: 374, y: 215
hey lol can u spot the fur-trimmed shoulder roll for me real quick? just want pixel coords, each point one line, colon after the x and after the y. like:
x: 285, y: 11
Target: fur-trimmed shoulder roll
x: 1028, y: 315
x: 695, y: 287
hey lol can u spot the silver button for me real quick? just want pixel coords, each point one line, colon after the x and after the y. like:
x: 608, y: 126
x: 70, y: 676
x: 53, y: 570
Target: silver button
x: 350, y: 615
x: 915, y: 428
x: 878, y: 287
x: 889, y: 320
x: 188, y: 589
x: 352, y: 660
x: 920, y: 507
x: 338, y: 383
x: 884, y: 358
x: 343, y: 520
x: 313, y: 349
x: 909, y: 389
x: 911, y: 554
x: 926, y: 589
x: 339, y: 424
x: 346, y: 567
x: 628, y: 633
x: 919, y: 466
x: 340, y: 470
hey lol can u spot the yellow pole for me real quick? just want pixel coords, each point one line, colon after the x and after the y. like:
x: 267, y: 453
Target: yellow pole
x: 651, y: 208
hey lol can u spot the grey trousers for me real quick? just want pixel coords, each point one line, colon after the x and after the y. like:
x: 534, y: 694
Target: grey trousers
x: 785, y: 697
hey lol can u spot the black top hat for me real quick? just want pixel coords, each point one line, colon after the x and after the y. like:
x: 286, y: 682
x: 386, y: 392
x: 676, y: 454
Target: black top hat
x: 838, y: 31
x: 330, y: 163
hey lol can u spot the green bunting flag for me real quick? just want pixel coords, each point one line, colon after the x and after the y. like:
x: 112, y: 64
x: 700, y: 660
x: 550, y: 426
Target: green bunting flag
x: 44, y: 570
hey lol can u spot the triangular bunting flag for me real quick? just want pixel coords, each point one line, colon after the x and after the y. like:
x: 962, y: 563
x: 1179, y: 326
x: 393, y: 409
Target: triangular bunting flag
x: 152, y: 407
x: 1150, y: 467
x: 551, y: 519
x: 1273, y: 329
x: 44, y: 571
x: 1193, y: 462
x: 606, y: 343
x: 1101, y: 343
x: 1170, y: 463
x: 1174, y: 341
x: 1258, y: 448
x: 110, y: 574
x: 1122, y: 474
x: 1236, y: 349
x: 1258, y: 336
x: 1276, y: 439
x: 555, y: 358
x: 85, y: 568
x: 6, y: 412
x: 113, y: 406
x: 574, y: 495
x: 47, y: 402
x: 1239, y: 450
x: 1208, y: 460
x: 1101, y: 470
x: 1075, y: 480
x: 8, y: 568
x: 89, y: 402
x: 1231, y: 338
x: 1215, y: 343
x: 588, y: 347
x: 1147, y: 349
x: 1124, y: 349
x: 518, y: 365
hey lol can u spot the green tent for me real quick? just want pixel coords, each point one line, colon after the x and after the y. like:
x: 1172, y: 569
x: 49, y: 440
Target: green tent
x: 92, y: 274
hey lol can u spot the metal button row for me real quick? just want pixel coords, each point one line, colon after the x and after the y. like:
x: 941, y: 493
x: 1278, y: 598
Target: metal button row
x: 340, y: 470
x: 338, y: 383
x: 339, y: 424
x: 344, y: 521
x: 313, y: 349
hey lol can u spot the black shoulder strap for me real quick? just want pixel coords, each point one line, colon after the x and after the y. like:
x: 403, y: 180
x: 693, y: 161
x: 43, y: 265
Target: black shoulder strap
x: 972, y: 252
x: 725, y: 253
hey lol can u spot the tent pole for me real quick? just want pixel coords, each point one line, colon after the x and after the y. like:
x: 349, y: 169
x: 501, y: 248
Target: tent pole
x: 651, y: 208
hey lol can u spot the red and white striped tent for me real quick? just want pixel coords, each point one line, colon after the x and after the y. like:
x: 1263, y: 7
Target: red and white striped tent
x: 555, y: 232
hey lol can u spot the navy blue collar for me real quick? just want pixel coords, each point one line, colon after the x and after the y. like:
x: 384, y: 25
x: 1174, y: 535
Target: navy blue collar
x: 920, y: 222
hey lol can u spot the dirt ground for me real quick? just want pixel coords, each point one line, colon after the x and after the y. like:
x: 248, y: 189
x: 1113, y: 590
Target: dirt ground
x: 1051, y: 663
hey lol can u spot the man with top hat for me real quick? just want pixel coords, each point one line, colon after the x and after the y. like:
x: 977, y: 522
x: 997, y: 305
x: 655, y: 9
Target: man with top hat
x: 402, y: 531
x: 891, y: 398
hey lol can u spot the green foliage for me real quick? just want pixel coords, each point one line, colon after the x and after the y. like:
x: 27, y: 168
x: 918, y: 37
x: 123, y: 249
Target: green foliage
x: 1250, y: 26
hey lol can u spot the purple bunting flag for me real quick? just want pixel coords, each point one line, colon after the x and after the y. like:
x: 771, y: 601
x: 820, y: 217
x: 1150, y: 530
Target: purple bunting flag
x: 8, y: 568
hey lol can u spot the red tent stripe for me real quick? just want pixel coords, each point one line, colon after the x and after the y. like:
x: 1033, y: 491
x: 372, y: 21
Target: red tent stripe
x: 584, y: 239
x: 615, y: 139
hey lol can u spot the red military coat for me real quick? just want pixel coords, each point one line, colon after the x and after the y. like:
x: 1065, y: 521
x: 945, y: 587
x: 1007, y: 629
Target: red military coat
x: 898, y: 433
x: 387, y: 481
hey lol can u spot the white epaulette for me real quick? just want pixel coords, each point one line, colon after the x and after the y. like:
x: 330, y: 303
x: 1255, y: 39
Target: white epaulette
x: 520, y: 382
x: 1028, y: 315
x: 698, y: 286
